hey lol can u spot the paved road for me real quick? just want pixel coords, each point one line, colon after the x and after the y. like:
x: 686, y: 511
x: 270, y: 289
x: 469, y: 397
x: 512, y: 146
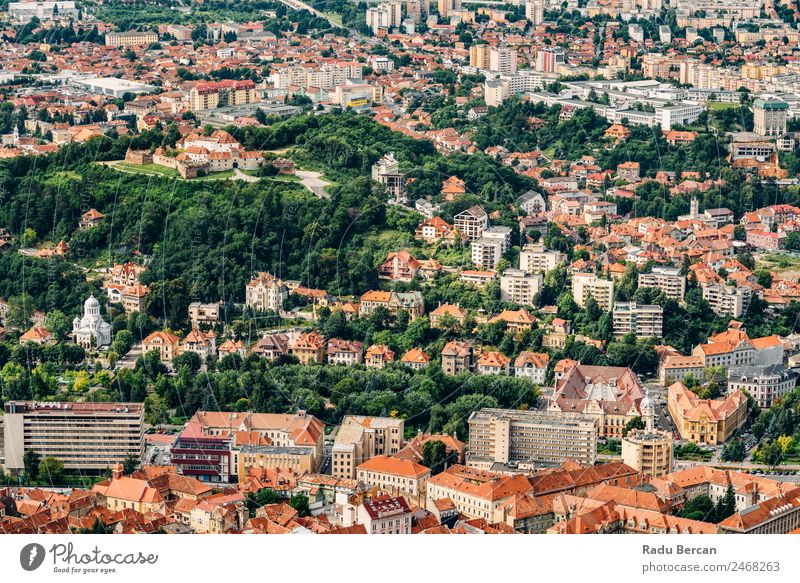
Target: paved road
x: 239, y: 175
x: 314, y: 182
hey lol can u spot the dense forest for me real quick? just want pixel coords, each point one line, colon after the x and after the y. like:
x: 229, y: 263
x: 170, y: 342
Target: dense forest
x: 204, y: 239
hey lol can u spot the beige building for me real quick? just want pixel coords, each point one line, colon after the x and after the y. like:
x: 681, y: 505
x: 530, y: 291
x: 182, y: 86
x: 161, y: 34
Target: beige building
x: 299, y: 459
x: 706, y: 421
x: 458, y: 357
x: 645, y: 321
x: 585, y: 285
x: 362, y: 438
x: 395, y: 476
x: 229, y: 92
x: 667, y: 279
x: 130, y: 38
x: 769, y: 117
x: 648, y: 451
x: 474, y: 492
x: 535, y: 259
x: 506, y: 435
x: 265, y: 292
x: 167, y: 344
x: 520, y: 287
x: 88, y: 437
x: 727, y: 300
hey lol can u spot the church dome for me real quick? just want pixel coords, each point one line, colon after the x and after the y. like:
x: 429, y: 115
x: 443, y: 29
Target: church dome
x: 91, y: 303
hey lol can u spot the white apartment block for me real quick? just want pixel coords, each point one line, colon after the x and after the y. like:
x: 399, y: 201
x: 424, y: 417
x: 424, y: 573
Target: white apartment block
x: 535, y: 259
x: 667, y: 279
x: 324, y: 76
x: 503, y: 60
x: 486, y: 253
x: 520, y: 287
x: 645, y: 321
x: 472, y: 222
x: 585, y: 285
x: 727, y: 300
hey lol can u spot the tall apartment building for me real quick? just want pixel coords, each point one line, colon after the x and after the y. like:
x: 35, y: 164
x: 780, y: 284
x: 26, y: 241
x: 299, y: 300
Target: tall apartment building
x: 472, y: 222
x: 489, y: 248
x: 362, y: 438
x: 88, y: 437
x: 486, y: 253
x: 645, y: 321
x: 265, y: 292
x: 387, y: 172
x: 534, y: 11
x: 535, y: 259
x: 212, y: 94
x: 130, y: 38
x: 520, y: 287
x: 416, y: 9
x: 385, y: 15
x: 447, y: 7
x: 507, y: 435
x: 648, y: 451
x: 585, y: 285
x: 479, y: 56
x: 769, y: 117
x: 727, y: 300
x: 325, y: 76
x: 549, y: 58
x: 503, y: 60
x: 667, y: 279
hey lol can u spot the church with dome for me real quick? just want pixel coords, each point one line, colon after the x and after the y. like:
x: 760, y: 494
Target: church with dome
x: 91, y: 330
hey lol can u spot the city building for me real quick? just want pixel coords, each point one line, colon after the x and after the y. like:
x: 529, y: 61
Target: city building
x: 166, y: 343
x: 362, y: 438
x: 532, y: 365
x: 609, y: 395
x: 394, y: 476
x: 503, y: 436
x: 765, y: 383
x: 644, y: 321
x: 667, y: 279
x: 86, y: 437
x: 727, y: 300
x: 533, y: 258
x: 387, y: 172
x: 24, y: 12
x: 91, y: 331
x: 131, y: 38
x: 472, y: 222
x: 265, y: 292
x: 384, y: 515
x: 706, y: 421
x: 649, y: 450
x: 769, y: 117
x: 200, y: 313
x: 458, y: 357
x: 586, y: 285
x: 520, y: 287
x: 225, y: 93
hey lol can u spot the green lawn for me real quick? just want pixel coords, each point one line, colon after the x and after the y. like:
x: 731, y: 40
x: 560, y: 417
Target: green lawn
x: 148, y: 169
x: 718, y: 105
